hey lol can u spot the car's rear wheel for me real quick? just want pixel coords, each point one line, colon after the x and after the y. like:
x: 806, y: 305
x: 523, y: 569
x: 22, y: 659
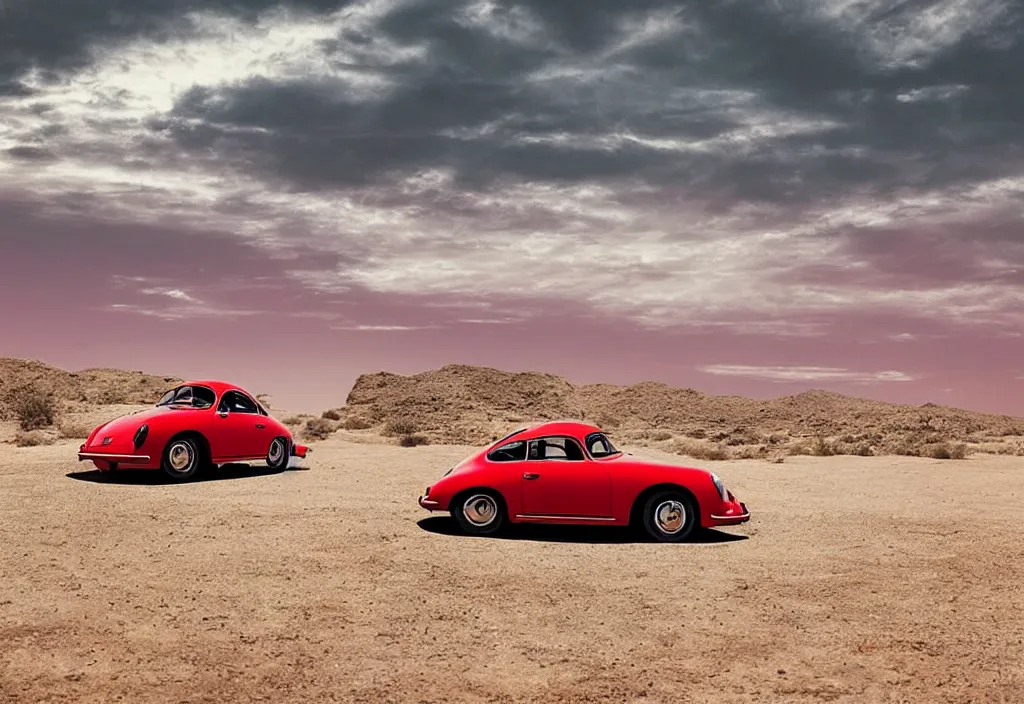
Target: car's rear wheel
x: 277, y: 455
x: 181, y: 459
x: 479, y: 512
x: 670, y: 516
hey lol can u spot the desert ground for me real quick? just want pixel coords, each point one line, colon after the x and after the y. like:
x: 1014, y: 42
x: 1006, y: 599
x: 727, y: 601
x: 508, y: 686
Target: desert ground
x: 858, y: 579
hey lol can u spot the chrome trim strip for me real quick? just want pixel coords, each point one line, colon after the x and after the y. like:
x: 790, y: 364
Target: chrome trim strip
x: 112, y: 457
x: 563, y: 518
x: 730, y: 518
x: 425, y: 503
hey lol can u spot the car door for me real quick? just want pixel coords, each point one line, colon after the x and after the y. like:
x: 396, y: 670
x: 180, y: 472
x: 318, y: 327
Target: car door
x: 560, y: 480
x: 241, y: 432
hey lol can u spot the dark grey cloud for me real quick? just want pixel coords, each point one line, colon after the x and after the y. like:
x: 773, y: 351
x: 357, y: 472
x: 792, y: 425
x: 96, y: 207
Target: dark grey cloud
x: 56, y: 36
x: 473, y: 105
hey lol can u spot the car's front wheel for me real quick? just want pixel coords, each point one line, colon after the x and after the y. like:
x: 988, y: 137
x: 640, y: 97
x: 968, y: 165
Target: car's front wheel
x: 479, y: 512
x: 670, y: 516
x: 181, y: 459
x: 277, y: 455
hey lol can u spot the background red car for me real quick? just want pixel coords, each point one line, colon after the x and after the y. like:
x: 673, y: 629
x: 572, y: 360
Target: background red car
x: 194, y: 425
x: 570, y: 473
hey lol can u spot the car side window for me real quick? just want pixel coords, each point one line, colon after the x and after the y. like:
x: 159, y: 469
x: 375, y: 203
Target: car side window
x: 234, y: 402
x: 599, y: 446
x: 555, y: 448
x: 510, y: 452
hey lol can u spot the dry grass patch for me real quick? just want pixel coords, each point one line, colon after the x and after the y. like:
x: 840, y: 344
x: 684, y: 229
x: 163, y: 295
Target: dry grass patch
x: 330, y: 414
x: 318, y: 429
x: 400, y: 426
x: 356, y: 423
x: 413, y: 440
x: 34, y: 438
x: 700, y: 450
x: 32, y: 406
x: 75, y: 431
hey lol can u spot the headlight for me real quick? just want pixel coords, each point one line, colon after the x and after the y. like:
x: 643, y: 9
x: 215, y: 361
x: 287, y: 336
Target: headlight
x: 720, y: 487
x: 140, y: 436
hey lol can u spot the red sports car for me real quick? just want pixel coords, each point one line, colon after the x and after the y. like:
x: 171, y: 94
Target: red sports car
x: 570, y: 473
x: 197, y: 424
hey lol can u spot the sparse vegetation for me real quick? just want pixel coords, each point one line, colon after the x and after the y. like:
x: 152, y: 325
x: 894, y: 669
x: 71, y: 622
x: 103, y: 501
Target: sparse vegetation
x: 75, y: 431
x: 33, y: 407
x: 33, y: 438
x: 318, y: 429
x: 293, y: 420
x: 331, y: 414
x: 700, y: 450
x: 413, y: 440
x: 400, y: 426
x: 357, y: 423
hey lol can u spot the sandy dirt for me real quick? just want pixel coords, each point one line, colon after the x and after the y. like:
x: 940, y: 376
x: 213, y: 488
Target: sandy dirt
x: 859, y: 579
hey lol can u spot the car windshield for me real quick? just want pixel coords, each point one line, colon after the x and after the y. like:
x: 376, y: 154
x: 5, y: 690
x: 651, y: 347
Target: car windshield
x: 598, y: 445
x: 192, y: 396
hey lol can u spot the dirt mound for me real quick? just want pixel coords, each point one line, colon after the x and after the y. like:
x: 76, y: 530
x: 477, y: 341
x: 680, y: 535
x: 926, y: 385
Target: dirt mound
x: 457, y: 403
x: 466, y: 404
x: 52, y: 403
x: 92, y: 386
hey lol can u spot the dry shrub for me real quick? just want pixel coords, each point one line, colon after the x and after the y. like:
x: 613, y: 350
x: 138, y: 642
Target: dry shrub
x: 820, y: 447
x: 357, y: 423
x: 33, y: 407
x: 33, y: 438
x: 113, y: 395
x: 413, y: 440
x: 606, y: 422
x: 74, y: 431
x: 318, y: 429
x: 293, y: 420
x: 657, y: 435
x: 331, y: 414
x: 700, y: 450
x: 400, y: 426
x: 945, y: 451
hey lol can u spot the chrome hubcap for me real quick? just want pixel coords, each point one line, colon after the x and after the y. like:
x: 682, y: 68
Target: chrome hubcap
x: 276, y: 451
x: 670, y: 516
x: 480, y: 510
x: 180, y: 456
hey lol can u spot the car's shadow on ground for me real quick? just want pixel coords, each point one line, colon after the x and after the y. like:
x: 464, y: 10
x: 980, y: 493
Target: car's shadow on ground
x: 445, y: 525
x: 157, y: 478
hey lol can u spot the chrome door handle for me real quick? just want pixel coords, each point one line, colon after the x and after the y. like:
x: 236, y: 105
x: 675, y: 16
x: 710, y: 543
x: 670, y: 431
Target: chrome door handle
x: 260, y: 426
x: 530, y: 475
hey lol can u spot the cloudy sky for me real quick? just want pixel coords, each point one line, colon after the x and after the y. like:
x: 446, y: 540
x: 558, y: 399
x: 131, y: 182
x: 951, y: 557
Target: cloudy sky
x: 753, y: 197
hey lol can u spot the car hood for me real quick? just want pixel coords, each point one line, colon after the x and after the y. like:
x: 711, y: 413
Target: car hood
x: 130, y: 423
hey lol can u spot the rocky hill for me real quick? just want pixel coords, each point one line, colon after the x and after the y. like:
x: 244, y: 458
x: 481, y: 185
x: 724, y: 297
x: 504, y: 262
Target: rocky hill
x: 40, y: 403
x: 465, y: 404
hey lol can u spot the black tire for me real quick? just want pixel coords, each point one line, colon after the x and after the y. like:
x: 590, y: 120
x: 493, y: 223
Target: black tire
x: 182, y: 459
x: 278, y: 453
x: 670, y: 516
x: 479, y: 512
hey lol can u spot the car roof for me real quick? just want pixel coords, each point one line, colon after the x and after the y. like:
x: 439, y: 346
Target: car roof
x: 217, y: 386
x: 572, y: 428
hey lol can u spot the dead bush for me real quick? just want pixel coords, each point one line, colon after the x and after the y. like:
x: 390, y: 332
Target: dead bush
x: 413, y: 440
x: 357, y: 423
x: 400, y: 426
x: 33, y: 407
x: 701, y: 451
x: 33, y: 438
x: 945, y: 451
x: 74, y: 431
x: 331, y: 414
x: 318, y: 429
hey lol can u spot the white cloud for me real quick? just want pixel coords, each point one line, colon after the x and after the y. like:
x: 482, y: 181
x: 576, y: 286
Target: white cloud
x: 800, y: 373
x: 661, y: 257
